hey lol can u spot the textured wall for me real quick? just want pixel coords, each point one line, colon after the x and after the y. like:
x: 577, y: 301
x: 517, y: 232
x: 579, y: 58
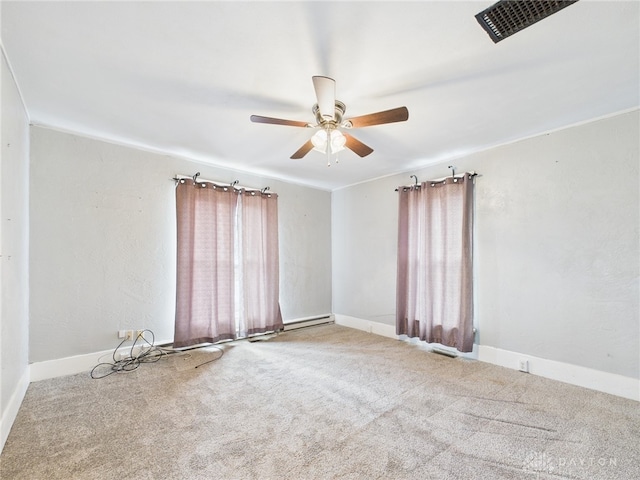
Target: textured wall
x: 103, y: 243
x: 14, y: 239
x: 557, y: 252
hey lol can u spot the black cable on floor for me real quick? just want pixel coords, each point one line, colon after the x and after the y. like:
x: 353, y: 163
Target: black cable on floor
x: 149, y: 353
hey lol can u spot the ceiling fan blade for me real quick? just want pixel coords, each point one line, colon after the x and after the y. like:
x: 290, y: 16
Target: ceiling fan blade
x: 278, y: 121
x: 326, y: 94
x: 399, y: 114
x: 357, y: 146
x: 303, y: 150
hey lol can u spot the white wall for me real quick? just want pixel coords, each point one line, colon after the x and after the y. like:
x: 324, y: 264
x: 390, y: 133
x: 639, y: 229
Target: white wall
x: 14, y: 251
x: 103, y: 243
x: 557, y: 251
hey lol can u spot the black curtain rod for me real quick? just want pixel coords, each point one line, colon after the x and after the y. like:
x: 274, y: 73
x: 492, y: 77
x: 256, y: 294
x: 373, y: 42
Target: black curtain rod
x: 453, y: 175
x: 181, y: 178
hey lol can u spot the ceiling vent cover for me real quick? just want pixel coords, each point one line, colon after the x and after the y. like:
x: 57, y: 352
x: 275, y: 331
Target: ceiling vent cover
x: 507, y: 17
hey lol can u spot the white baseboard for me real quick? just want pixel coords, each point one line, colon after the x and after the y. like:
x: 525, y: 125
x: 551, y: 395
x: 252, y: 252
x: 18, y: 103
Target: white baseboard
x: 11, y: 411
x: 565, y: 372
x: 68, y: 365
x: 378, y: 328
x: 61, y: 367
x: 611, y: 383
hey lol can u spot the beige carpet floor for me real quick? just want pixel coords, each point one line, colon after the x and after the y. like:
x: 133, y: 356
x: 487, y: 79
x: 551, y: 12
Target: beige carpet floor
x: 325, y: 402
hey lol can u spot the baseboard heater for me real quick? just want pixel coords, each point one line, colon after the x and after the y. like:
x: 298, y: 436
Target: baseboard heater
x: 442, y: 351
x: 308, y: 322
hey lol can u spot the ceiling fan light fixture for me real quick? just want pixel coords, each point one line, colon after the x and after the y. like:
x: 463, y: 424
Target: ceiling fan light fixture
x: 329, y: 112
x: 319, y: 140
x: 337, y: 141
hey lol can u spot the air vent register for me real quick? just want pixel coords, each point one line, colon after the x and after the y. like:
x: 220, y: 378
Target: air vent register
x: 507, y: 17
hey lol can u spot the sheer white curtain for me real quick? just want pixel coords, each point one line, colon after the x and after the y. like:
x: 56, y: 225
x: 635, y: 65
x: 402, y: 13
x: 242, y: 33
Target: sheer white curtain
x: 227, y: 263
x: 434, y: 299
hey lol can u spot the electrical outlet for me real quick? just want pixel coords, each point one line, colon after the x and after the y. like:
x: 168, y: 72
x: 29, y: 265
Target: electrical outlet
x: 126, y: 334
x: 523, y: 366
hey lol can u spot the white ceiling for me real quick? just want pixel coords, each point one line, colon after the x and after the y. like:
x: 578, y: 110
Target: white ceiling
x: 184, y: 77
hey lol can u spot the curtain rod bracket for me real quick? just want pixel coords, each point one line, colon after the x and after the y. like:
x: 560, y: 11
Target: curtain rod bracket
x: 416, y: 185
x: 453, y: 170
x: 263, y: 191
x: 195, y: 177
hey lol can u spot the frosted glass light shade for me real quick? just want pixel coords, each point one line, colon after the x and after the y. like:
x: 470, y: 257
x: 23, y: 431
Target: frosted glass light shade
x: 337, y: 141
x: 319, y: 140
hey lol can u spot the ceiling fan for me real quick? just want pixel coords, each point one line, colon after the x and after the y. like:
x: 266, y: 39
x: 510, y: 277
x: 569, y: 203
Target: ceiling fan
x: 330, y: 137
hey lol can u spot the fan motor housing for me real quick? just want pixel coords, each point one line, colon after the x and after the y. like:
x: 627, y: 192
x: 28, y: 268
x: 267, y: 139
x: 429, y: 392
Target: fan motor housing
x: 340, y: 108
